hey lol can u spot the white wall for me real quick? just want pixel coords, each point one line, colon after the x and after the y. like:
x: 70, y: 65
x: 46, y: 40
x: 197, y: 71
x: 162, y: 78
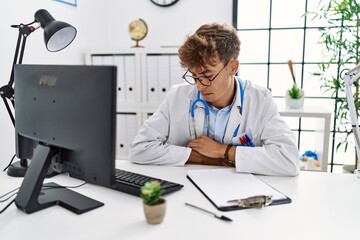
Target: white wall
x: 101, y: 24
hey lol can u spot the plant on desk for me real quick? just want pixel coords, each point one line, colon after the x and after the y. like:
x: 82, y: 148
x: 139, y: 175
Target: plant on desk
x: 154, y: 205
x: 295, y: 95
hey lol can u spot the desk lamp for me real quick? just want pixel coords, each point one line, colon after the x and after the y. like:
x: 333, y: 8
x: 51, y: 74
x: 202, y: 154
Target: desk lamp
x: 350, y: 79
x: 57, y: 36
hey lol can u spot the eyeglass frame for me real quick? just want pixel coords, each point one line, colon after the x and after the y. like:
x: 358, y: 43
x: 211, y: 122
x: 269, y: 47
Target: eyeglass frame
x: 199, y: 78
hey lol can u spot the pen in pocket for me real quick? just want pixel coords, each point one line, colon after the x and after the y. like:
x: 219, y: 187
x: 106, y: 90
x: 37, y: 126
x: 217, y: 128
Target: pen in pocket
x: 250, y: 142
x: 242, y: 140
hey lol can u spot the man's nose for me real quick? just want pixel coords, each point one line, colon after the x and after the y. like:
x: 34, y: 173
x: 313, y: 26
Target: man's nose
x: 199, y: 85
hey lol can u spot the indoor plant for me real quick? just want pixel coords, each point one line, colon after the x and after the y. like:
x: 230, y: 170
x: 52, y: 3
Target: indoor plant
x: 154, y: 205
x: 341, y: 42
x: 294, y: 96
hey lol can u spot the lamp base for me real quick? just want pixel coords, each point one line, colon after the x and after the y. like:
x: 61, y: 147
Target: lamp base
x: 17, y: 169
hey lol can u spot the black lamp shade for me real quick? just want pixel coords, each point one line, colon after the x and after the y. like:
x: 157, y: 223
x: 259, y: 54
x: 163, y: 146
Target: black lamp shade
x: 57, y: 35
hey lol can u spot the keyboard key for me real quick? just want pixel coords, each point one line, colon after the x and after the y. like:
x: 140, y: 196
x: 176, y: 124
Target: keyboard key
x: 130, y: 182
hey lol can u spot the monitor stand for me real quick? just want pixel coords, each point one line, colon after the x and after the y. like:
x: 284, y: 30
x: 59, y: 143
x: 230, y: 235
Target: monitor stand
x: 34, y: 196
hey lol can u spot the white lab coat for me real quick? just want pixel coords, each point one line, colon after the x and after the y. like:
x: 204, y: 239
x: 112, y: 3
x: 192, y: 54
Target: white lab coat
x: 164, y: 136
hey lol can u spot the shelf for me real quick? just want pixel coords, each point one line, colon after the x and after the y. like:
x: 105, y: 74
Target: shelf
x: 144, y: 77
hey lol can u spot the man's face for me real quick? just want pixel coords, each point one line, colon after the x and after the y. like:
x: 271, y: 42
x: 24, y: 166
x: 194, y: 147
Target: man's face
x: 221, y: 90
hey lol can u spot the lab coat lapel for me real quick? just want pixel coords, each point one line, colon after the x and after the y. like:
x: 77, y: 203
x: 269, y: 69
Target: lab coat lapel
x: 235, y: 116
x: 234, y: 120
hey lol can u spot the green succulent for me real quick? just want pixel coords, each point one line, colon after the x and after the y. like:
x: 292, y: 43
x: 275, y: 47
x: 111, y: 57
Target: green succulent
x: 151, y: 192
x: 295, y: 92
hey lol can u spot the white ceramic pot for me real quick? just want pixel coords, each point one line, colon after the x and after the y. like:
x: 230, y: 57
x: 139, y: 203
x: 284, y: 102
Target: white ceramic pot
x: 294, y: 103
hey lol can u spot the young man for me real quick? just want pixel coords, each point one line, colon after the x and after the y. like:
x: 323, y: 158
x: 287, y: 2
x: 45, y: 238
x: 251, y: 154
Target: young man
x: 216, y: 118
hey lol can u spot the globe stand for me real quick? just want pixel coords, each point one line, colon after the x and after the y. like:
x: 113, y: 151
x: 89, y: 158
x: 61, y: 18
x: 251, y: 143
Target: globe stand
x: 137, y: 45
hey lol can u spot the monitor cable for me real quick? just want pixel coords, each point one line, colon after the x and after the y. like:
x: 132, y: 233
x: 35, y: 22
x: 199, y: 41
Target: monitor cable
x: 11, y: 161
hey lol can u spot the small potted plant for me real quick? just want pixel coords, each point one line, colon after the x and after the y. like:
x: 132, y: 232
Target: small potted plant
x: 295, y: 95
x: 154, y: 205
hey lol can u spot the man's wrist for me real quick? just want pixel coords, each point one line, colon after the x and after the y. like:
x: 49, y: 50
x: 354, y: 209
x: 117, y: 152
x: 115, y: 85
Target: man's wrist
x: 226, y: 154
x: 226, y: 161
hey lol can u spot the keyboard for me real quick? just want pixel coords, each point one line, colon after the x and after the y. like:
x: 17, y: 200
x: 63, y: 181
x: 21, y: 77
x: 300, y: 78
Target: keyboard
x: 130, y: 182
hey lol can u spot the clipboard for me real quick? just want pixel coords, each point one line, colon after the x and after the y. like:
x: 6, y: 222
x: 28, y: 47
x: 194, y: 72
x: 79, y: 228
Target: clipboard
x: 226, y: 188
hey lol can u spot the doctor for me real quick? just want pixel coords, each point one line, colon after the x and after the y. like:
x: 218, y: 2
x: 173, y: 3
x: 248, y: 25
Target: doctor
x: 215, y: 118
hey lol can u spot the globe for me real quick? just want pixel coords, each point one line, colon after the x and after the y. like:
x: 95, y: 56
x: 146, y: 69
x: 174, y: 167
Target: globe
x: 138, y: 30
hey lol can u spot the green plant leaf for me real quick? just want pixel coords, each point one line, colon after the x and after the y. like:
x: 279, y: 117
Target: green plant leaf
x: 341, y: 49
x: 151, y: 192
x: 295, y: 92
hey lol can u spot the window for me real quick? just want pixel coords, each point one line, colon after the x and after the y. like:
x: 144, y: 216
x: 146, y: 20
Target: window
x: 273, y: 32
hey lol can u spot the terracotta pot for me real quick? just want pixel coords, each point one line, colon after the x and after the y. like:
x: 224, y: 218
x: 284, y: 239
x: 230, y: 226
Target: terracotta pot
x: 155, y: 213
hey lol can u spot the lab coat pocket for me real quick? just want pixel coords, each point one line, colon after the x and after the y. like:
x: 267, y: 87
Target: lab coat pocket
x: 242, y: 140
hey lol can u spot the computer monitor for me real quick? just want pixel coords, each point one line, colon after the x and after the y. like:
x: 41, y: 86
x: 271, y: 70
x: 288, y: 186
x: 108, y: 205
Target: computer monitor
x: 65, y: 118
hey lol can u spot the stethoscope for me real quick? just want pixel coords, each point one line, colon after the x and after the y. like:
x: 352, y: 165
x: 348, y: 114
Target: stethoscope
x: 198, y: 101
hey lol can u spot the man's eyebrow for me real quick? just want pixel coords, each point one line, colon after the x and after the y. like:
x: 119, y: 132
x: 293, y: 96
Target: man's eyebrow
x: 202, y: 73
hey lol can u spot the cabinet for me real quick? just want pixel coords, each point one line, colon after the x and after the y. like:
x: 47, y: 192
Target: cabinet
x: 319, y: 122
x: 144, y: 77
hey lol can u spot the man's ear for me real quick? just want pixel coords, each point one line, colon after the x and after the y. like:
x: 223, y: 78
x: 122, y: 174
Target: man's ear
x: 234, y: 66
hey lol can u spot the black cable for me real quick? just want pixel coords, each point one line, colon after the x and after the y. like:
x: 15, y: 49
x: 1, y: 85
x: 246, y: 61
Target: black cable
x: 11, y: 161
x: 4, y: 200
x: 3, y: 210
x: 59, y: 186
x: 80, y: 185
x: 8, y: 193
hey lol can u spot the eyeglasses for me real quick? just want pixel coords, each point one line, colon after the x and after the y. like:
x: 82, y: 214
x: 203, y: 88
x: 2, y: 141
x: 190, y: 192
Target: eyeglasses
x: 189, y: 78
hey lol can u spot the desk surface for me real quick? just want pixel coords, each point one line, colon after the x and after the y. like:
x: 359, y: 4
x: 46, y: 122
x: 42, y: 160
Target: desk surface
x: 306, y: 111
x: 325, y: 206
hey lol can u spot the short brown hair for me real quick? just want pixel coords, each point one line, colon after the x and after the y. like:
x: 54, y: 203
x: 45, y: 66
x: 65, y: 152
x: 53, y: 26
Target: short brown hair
x: 209, y: 42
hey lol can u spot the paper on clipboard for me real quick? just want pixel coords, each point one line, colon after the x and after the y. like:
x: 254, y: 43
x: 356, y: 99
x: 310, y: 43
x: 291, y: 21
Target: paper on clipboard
x: 222, y: 185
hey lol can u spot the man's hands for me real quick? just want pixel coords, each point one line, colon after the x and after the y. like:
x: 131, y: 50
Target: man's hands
x: 197, y: 158
x: 207, y: 147
x: 207, y: 151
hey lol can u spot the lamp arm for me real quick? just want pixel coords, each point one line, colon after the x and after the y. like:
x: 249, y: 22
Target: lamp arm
x: 350, y: 78
x: 16, y: 55
x: 7, y: 91
x: 356, y: 69
x: 9, y: 111
x: 24, y: 31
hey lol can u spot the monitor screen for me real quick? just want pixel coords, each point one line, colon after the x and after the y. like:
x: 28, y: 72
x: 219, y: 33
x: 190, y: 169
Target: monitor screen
x: 65, y: 118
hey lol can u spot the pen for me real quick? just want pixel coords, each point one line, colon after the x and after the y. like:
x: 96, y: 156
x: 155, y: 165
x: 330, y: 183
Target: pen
x: 222, y: 217
x: 249, y: 140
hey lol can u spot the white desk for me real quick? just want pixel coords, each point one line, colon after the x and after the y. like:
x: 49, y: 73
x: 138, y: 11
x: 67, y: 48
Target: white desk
x: 325, y: 206
x: 322, y: 127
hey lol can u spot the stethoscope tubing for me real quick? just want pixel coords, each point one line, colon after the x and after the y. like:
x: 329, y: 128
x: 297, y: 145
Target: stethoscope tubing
x: 207, y: 111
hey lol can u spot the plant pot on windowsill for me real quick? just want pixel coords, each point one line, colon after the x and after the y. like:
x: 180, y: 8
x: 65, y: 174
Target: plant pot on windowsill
x: 154, y: 206
x: 294, y: 97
